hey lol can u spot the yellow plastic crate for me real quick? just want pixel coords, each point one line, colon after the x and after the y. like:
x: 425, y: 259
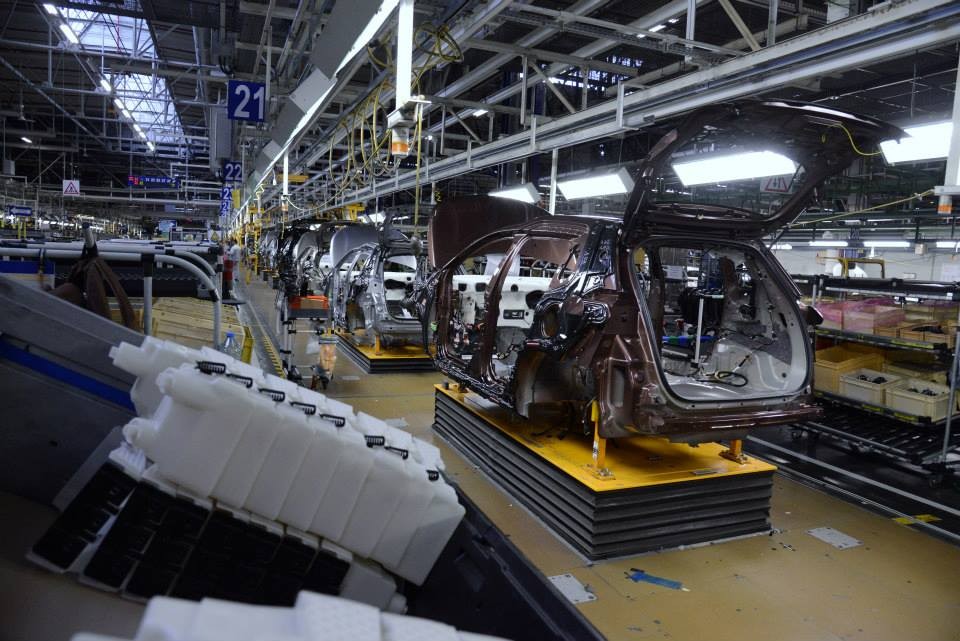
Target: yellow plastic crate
x: 832, y: 362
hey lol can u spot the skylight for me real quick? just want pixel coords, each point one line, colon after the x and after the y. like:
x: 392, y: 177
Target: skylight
x: 143, y: 101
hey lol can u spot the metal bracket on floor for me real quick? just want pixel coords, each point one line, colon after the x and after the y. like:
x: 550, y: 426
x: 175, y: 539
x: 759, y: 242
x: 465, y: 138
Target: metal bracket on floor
x: 599, y: 467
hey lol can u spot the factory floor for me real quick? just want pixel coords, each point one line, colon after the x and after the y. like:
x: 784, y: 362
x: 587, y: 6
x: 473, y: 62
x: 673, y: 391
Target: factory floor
x: 900, y: 583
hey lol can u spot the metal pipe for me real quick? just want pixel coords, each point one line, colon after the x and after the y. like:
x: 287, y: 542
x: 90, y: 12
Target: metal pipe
x: 147, y: 296
x: 214, y: 292
x: 952, y: 403
x: 554, y: 157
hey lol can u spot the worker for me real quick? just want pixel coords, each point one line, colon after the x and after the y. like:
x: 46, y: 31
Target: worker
x: 853, y: 270
x: 231, y: 265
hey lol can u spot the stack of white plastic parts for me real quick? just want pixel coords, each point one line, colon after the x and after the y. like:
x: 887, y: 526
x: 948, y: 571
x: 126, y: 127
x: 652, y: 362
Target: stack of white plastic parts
x: 255, y: 442
x: 315, y: 617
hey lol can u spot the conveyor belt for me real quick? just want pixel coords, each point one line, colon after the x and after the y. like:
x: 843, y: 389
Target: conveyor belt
x: 614, y: 522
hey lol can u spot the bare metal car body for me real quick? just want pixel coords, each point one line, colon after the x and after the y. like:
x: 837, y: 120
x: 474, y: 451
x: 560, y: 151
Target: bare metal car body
x: 373, y: 272
x: 595, y: 330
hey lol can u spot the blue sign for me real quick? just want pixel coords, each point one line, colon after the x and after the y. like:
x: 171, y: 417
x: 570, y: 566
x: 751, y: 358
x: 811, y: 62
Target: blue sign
x: 19, y: 210
x: 226, y: 200
x: 232, y: 171
x: 153, y: 181
x: 165, y: 226
x: 246, y: 100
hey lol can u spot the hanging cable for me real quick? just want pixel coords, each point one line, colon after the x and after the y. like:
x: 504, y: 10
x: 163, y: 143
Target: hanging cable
x: 854, y: 145
x: 865, y: 210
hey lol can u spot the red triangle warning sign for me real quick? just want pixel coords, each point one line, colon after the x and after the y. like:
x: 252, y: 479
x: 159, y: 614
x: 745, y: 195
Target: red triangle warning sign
x: 71, y: 187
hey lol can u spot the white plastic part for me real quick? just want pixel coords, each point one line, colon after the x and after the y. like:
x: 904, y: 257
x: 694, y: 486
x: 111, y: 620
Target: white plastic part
x: 251, y: 450
x: 212, y: 436
x: 401, y: 628
x: 154, y: 478
x: 146, y: 361
x: 398, y: 604
x: 166, y: 619
x: 316, y: 472
x: 130, y: 459
x: 406, y: 519
x: 340, y: 497
x: 319, y: 617
x: 382, y: 491
x: 282, y: 462
x: 367, y: 583
x: 441, y: 519
x: 201, y: 421
x: 89, y: 636
x: 217, y: 620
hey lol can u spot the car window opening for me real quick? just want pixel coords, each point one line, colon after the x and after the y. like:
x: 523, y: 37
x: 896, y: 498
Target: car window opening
x: 718, y: 325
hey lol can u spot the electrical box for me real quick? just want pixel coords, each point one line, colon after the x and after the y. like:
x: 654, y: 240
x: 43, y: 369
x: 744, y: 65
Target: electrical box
x: 221, y: 137
x: 9, y: 167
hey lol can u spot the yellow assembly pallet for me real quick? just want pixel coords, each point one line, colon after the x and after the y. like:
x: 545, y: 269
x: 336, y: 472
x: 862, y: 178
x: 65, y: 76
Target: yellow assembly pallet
x: 654, y: 494
x: 374, y: 360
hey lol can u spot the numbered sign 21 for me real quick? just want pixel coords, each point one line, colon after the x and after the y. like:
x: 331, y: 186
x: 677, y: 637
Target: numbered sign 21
x: 246, y: 100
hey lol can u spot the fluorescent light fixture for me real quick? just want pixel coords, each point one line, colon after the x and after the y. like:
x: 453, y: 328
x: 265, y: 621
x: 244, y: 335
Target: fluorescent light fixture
x: 782, y: 247
x: 49, y: 8
x: 828, y: 243
x: 618, y: 182
x: 926, y: 142
x: 526, y: 193
x: 68, y: 33
x: 106, y: 85
x: 890, y: 244
x: 947, y: 244
x: 26, y: 140
x: 126, y: 113
x: 480, y: 112
x: 119, y: 104
x: 728, y: 168
x: 654, y: 29
x: 151, y: 146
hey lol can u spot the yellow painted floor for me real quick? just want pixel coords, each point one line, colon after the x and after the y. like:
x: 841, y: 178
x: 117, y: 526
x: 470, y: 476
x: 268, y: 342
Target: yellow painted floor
x: 899, y: 585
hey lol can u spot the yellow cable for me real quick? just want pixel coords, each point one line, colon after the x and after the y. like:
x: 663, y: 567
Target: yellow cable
x: 864, y: 211
x: 854, y: 145
x: 416, y: 190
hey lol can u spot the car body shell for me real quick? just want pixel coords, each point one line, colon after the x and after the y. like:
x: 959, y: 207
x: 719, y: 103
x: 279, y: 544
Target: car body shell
x: 591, y: 337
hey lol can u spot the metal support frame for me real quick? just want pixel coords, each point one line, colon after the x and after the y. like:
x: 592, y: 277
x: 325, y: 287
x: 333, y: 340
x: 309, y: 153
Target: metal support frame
x: 951, y: 177
x: 883, y: 33
x: 134, y: 254
x: 741, y: 26
x: 772, y: 22
x: 554, y: 157
x: 404, y: 59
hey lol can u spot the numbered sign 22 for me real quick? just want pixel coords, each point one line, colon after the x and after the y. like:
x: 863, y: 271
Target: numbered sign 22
x: 246, y: 100
x: 232, y: 172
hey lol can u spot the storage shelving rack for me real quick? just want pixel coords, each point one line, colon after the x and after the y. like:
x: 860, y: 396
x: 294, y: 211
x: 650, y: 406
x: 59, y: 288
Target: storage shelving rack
x: 927, y: 445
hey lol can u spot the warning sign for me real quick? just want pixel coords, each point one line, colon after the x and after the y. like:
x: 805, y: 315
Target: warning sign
x: 71, y: 187
x: 776, y: 184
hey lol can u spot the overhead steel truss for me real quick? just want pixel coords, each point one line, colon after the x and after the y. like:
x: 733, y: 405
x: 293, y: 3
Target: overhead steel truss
x: 884, y: 33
